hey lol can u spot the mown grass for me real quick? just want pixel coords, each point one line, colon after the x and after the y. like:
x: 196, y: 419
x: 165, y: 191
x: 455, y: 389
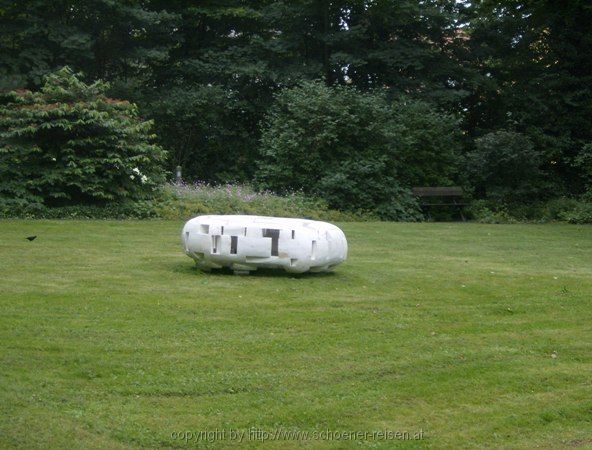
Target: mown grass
x: 478, y: 335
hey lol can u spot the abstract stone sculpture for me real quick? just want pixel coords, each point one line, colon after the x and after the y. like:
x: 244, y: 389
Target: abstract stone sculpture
x: 245, y: 243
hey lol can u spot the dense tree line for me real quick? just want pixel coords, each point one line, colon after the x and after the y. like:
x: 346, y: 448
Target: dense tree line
x: 444, y: 92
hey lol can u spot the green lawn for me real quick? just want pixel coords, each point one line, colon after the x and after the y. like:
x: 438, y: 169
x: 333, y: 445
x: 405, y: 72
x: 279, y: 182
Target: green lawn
x: 475, y: 335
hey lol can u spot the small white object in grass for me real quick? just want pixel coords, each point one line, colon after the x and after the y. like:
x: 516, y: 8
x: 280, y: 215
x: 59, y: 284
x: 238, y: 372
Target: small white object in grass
x: 553, y: 355
x: 246, y: 243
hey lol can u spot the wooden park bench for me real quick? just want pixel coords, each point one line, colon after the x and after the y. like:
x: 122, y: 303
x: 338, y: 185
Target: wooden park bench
x: 451, y: 196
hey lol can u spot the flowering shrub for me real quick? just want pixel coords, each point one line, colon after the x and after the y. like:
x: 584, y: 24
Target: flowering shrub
x: 182, y: 201
x: 69, y: 144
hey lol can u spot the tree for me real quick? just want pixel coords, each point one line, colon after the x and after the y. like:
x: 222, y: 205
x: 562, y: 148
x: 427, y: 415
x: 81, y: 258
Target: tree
x: 207, y: 72
x: 337, y: 143
x: 69, y: 143
x: 583, y: 163
x: 505, y: 167
x: 535, y: 61
x: 232, y: 57
x: 208, y: 101
x: 116, y: 41
x: 405, y: 45
x: 429, y: 151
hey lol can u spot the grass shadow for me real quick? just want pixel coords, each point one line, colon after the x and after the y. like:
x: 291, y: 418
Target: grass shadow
x: 273, y: 273
x: 183, y: 267
x: 188, y: 268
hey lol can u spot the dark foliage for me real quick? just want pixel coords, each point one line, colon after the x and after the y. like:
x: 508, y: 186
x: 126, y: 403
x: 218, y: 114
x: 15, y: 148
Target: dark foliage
x: 451, y: 72
x: 70, y: 144
x: 353, y: 149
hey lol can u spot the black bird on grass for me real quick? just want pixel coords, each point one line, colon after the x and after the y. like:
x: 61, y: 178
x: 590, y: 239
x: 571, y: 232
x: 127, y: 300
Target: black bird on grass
x: 31, y: 238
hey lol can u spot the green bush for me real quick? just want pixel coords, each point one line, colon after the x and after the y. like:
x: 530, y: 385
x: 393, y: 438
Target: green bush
x: 559, y: 209
x: 141, y: 209
x: 428, y: 149
x: 337, y: 144
x: 505, y: 167
x: 583, y: 162
x: 582, y: 213
x: 69, y: 144
x: 482, y: 211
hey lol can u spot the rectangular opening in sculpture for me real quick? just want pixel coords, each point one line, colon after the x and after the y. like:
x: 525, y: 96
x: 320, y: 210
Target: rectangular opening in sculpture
x: 233, y: 244
x: 293, y: 234
x: 274, y: 234
x: 313, y: 252
x: 215, y: 244
x: 205, y: 229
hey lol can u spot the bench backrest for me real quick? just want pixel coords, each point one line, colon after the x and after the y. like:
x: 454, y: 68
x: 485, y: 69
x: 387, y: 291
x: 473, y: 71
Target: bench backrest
x: 438, y: 191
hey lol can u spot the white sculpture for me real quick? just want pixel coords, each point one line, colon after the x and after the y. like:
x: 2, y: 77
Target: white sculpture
x: 244, y: 243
